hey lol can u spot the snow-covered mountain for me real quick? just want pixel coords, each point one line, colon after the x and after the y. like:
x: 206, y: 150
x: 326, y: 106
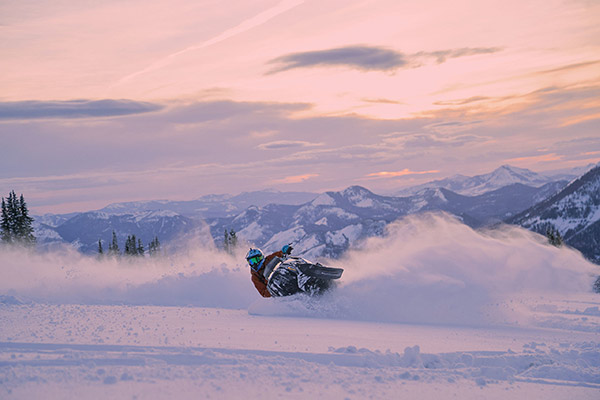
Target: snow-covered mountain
x: 324, y: 225
x: 501, y: 177
x: 211, y: 206
x: 84, y: 230
x: 574, y: 212
x: 334, y: 221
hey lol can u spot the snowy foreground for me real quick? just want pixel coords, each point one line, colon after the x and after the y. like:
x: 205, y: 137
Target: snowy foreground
x: 433, y: 311
x: 74, y: 351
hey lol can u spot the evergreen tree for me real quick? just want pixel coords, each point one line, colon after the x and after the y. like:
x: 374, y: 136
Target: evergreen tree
x: 596, y: 286
x: 113, y: 248
x: 140, y: 248
x: 226, y: 241
x: 16, y: 224
x: 554, y: 237
x: 13, y: 213
x: 100, y: 249
x: 230, y: 241
x: 233, y: 240
x: 24, y: 229
x: 127, y: 249
x: 134, y: 246
x: 130, y: 244
x: 154, y: 247
x: 5, y: 225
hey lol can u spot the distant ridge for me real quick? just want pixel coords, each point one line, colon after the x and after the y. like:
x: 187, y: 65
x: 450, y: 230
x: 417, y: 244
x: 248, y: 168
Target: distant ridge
x: 480, y: 184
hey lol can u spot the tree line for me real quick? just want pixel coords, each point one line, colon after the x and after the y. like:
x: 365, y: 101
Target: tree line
x: 133, y: 247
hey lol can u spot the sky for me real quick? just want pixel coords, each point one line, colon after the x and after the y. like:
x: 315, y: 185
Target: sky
x: 110, y: 101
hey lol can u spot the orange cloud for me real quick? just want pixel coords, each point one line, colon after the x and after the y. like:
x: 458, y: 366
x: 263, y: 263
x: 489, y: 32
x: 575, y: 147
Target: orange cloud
x: 295, y: 178
x: 542, y: 158
x: 404, y: 172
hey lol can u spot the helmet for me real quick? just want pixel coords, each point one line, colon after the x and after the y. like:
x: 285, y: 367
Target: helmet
x: 255, y: 258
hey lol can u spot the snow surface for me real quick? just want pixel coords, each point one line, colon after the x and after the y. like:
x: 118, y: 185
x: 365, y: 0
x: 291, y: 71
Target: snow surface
x: 433, y: 310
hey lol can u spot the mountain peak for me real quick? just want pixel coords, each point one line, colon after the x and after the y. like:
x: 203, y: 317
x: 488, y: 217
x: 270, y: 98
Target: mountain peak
x: 356, y: 189
x: 358, y: 196
x: 476, y: 185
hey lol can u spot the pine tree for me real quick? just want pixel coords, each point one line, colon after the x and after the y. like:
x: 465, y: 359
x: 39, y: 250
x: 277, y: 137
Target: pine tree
x: 16, y: 225
x: 233, y: 240
x: 130, y: 248
x: 596, y: 286
x: 226, y: 241
x: 113, y: 248
x: 154, y: 247
x: 100, y: 249
x: 127, y: 249
x: 554, y: 237
x: 140, y: 248
x: 5, y: 225
x: 13, y: 213
x: 24, y: 224
x: 134, y: 246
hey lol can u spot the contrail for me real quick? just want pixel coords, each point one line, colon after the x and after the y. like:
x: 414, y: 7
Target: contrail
x: 244, y: 26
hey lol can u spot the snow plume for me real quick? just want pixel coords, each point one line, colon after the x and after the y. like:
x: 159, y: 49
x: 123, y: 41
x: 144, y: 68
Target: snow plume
x: 428, y: 269
x: 198, y: 276
x: 433, y: 269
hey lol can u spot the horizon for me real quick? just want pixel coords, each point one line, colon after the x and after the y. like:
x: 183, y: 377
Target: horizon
x: 104, y: 104
x: 271, y: 190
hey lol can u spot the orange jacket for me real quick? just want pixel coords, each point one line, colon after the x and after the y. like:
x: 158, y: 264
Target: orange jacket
x: 260, y: 282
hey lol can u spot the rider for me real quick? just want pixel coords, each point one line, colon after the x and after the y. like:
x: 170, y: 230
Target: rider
x: 259, y: 264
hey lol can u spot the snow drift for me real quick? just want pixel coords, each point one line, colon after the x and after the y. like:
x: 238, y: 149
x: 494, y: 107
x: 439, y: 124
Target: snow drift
x: 433, y: 269
x: 427, y: 269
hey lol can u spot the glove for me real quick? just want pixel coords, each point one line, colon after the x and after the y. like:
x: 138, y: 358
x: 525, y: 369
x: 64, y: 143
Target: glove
x: 287, y: 249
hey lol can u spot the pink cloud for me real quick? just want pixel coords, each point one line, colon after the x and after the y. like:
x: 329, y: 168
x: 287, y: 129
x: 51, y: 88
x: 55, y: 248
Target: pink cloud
x: 296, y: 178
x: 396, y: 174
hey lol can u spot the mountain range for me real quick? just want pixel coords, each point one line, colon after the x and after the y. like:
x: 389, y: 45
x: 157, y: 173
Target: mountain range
x: 319, y: 225
x: 501, y: 177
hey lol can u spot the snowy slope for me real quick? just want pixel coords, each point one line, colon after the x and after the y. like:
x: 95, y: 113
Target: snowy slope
x: 574, y: 212
x: 433, y: 310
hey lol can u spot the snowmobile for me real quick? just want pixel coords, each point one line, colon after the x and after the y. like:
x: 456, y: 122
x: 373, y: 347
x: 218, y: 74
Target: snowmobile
x: 291, y: 275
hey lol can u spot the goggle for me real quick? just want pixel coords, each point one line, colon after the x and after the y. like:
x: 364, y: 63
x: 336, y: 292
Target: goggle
x: 255, y: 260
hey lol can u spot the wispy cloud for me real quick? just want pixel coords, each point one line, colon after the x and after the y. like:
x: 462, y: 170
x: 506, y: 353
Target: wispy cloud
x: 244, y: 26
x: 396, y: 174
x: 366, y: 58
x: 432, y: 140
x: 381, y: 101
x: 295, y: 178
x: 569, y: 67
x: 73, y: 109
x: 442, y: 56
x: 461, y: 102
x: 287, y: 144
x: 370, y: 58
x: 537, y: 159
